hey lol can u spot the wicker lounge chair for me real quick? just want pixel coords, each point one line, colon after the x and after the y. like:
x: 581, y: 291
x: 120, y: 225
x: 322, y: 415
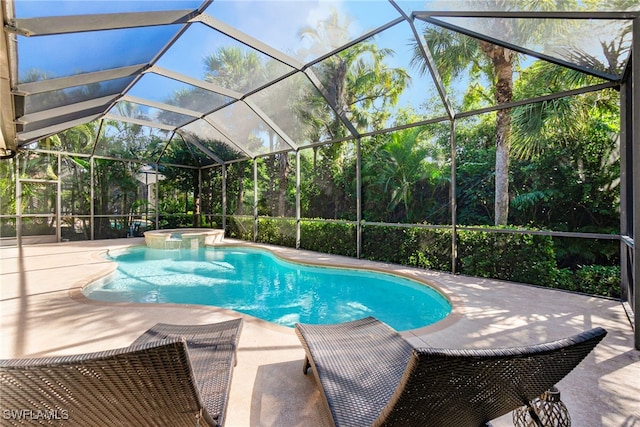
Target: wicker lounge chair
x: 371, y: 376
x: 170, y: 376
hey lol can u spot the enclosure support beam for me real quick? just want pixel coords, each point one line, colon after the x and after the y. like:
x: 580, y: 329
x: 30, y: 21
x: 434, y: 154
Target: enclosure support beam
x: 358, y: 198
x: 255, y: 200
x: 452, y: 199
x: 92, y: 205
x: 54, y: 25
x: 157, y: 200
x: 298, y: 209
x: 18, y: 204
x: 224, y: 197
x: 630, y: 186
x: 634, y: 169
x: 198, y: 205
x: 59, y: 202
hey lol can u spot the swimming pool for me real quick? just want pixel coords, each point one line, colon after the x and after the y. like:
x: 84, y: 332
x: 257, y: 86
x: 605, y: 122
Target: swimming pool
x: 258, y: 283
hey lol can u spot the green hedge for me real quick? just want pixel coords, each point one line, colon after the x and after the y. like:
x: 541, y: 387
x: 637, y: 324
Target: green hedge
x: 384, y: 243
x: 169, y: 221
x: 515, y: 257
x: 240, y: 228
x: 418, y: 247
x: 521, y: 258
x: 601, y: 280
x: 429, y: 248
x: 7, y: 227
x: 328, y: 237
x: 277, y: 232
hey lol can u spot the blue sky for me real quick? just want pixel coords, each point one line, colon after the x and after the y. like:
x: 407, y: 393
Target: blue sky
x: 275, y: 23
x: 261, y: 19
x: 64, y: 55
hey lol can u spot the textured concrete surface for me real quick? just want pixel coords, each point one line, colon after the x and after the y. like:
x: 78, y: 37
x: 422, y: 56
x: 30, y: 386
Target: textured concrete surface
x: 43, y: 313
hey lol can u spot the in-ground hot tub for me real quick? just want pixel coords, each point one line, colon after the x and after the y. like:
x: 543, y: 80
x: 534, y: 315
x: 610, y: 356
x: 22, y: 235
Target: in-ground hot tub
x: 177, y: 238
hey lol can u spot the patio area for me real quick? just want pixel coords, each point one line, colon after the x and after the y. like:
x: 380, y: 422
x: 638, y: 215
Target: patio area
x: 43, y: 313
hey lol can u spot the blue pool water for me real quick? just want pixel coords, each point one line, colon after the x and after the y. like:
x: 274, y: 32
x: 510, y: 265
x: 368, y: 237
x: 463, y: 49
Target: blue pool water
x: 258, y: 283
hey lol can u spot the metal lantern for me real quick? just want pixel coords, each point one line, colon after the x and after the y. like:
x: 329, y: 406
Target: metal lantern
x: 545, y: 411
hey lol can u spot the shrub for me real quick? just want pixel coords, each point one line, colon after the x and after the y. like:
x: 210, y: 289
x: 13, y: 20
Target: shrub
x: 241, y: 228
x: 602, y: 280
x: 418, y: 247
x: 384, y: 243
x: 328, y: 237
x: 522, y: 258
x: 175, y: 221
x: 429, y: 248
x: 7, y: 227
x: 565, y: 279
x: 277, y: 232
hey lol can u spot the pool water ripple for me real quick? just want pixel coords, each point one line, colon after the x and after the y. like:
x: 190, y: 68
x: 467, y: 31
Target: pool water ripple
x: 258, y: 283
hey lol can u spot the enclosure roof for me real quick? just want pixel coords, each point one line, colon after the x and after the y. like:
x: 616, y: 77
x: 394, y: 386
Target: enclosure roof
x: 230, y: 80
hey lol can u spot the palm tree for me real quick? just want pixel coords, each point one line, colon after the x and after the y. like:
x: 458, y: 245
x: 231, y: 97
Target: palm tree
x: 560, y: 120
x: 241, y: 70
x: 359, y: 86
x: 79, y: 139
x: 398, y: 165
x: 358, y: 83
x: 455, y: 53
x: 238, y: 69
x: 557, y: 121
x: 586, y: 125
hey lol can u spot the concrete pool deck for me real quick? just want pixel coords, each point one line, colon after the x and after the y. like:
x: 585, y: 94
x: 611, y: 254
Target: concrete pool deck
x: 42, y: 314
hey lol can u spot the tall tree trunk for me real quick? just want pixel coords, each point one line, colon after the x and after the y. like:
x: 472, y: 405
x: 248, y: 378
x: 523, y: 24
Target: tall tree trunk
x: 502, y: 60
x: 338, y: 87
x: 503, y: 147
